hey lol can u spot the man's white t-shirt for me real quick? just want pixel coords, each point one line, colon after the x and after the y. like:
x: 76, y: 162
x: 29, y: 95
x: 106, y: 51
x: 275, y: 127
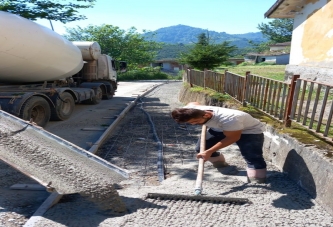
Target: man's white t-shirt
x: 224, y: 119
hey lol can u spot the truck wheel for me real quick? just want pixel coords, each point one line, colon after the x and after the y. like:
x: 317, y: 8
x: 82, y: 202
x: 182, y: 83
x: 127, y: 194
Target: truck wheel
x: 109, y: 95
x: 97, y: 98
x: 37, y: 109
x: 64, y: 107
x: 114, y: 85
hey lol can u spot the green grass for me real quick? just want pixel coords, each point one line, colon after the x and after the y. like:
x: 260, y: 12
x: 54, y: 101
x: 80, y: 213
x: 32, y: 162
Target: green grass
x: 275, y: 72
x: 296, y: 130
x: 211, y: 93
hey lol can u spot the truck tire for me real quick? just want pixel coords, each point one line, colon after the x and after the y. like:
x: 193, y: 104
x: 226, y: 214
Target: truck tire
x: 97, y: 98
x: 109, y: 95
x: 37, y: 109
x: 64, y: 107
x: 114, y: 85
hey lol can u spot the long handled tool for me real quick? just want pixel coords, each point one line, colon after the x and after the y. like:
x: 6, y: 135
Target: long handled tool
x: 198, y: 185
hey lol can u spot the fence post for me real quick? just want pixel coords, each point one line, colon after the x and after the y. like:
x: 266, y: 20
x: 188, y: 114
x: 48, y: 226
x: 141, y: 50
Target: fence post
x: 247, y: 73
x: 225, y: 84
x: 205, y: 78
x: 189, y: 77
x: 222, y: 83
x: 287, y: 121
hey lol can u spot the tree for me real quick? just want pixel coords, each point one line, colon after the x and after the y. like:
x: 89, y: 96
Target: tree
x: 122, y: 45
x: 47, y: 9
x: 278, y: 30
x: 172, y: 51
x: 203, y: 39
x: 205, y: 55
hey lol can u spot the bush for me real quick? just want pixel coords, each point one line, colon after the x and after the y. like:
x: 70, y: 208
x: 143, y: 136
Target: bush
x: 142, y: 74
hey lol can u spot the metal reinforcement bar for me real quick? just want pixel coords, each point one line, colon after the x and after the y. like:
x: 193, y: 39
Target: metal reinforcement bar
x: 160, y: 162
x: 199, y: 198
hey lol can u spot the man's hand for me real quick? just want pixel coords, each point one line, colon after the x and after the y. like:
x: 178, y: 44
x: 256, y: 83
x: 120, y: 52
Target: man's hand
x: 231, y: 137
x: 203, y: 155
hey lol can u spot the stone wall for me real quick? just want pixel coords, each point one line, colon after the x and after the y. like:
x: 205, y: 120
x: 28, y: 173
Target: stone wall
x: 322, y: 75
x: 309, y: 167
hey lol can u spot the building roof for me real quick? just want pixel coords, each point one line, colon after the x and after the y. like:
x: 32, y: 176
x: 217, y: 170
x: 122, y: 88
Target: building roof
x: 268, y: 54
x: 166, y: 60
x: 235, y: 59
x: 285, y: 8
x: 285, y: 44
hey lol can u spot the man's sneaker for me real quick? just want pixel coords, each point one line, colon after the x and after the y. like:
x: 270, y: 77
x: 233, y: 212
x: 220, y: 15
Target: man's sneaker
x: 256, y: 180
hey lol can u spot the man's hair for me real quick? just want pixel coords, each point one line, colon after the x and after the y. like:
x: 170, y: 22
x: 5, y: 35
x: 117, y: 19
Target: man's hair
x: 182, y: 115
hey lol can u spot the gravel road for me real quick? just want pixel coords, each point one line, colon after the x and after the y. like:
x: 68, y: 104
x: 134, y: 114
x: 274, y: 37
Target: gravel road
x: 134, y: 146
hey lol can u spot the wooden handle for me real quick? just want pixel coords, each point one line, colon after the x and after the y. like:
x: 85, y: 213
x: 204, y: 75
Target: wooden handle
x: 198, y: 183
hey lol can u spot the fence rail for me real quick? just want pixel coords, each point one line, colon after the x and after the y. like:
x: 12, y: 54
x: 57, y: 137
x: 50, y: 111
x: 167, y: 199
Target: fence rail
x: 267, y: 95
x: 306, y: 102
x: 313, y: 106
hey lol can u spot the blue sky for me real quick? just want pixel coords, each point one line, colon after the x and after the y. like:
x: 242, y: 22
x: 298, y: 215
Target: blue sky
x: 230, y: 16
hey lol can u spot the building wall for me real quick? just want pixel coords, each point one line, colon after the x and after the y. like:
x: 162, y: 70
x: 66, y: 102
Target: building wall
x: 282, y: 59
x: 268, y: 59
x: 250, y: 58
x: 313, y: 35
x: 173, y: 66
x: 167, y: 66
x: 311, y: 54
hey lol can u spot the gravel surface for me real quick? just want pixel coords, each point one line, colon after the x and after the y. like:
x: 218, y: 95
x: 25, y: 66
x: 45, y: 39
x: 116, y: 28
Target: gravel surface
x: 133, y: 146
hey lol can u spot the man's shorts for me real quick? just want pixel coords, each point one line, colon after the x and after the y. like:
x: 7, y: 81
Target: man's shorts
x: 250, y: 146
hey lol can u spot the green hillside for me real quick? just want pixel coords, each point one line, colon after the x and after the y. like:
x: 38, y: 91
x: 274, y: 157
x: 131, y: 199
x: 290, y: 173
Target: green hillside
x: 188, y: 35
x: 179, y: 38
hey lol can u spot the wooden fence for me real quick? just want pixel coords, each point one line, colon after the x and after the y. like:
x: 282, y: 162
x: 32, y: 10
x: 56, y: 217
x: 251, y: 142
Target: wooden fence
x: 308, y: 103
x: 313, y: 106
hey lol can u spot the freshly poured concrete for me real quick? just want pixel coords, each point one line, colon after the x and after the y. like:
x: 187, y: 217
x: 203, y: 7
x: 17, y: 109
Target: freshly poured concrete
x: 59, y: 164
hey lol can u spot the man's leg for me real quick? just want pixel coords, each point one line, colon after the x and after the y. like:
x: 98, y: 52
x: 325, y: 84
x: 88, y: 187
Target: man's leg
x: 212, y: 137
x: 250, y: 146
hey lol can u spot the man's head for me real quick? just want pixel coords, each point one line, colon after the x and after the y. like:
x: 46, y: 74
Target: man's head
x: 191, y: 116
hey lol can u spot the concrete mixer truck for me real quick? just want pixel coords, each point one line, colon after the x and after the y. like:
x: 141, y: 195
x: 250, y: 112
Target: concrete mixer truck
x: 43, y: 75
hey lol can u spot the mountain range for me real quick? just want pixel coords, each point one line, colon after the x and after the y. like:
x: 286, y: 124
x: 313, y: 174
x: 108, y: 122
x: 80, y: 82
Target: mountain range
x: 178, y: 36
x: 188, y: 35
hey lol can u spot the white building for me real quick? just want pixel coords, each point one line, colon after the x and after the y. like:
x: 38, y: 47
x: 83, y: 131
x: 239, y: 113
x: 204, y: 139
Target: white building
x: 311, y: 52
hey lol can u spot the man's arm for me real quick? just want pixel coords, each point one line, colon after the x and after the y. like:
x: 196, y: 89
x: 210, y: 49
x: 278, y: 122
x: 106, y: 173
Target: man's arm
x: 230, y: 138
